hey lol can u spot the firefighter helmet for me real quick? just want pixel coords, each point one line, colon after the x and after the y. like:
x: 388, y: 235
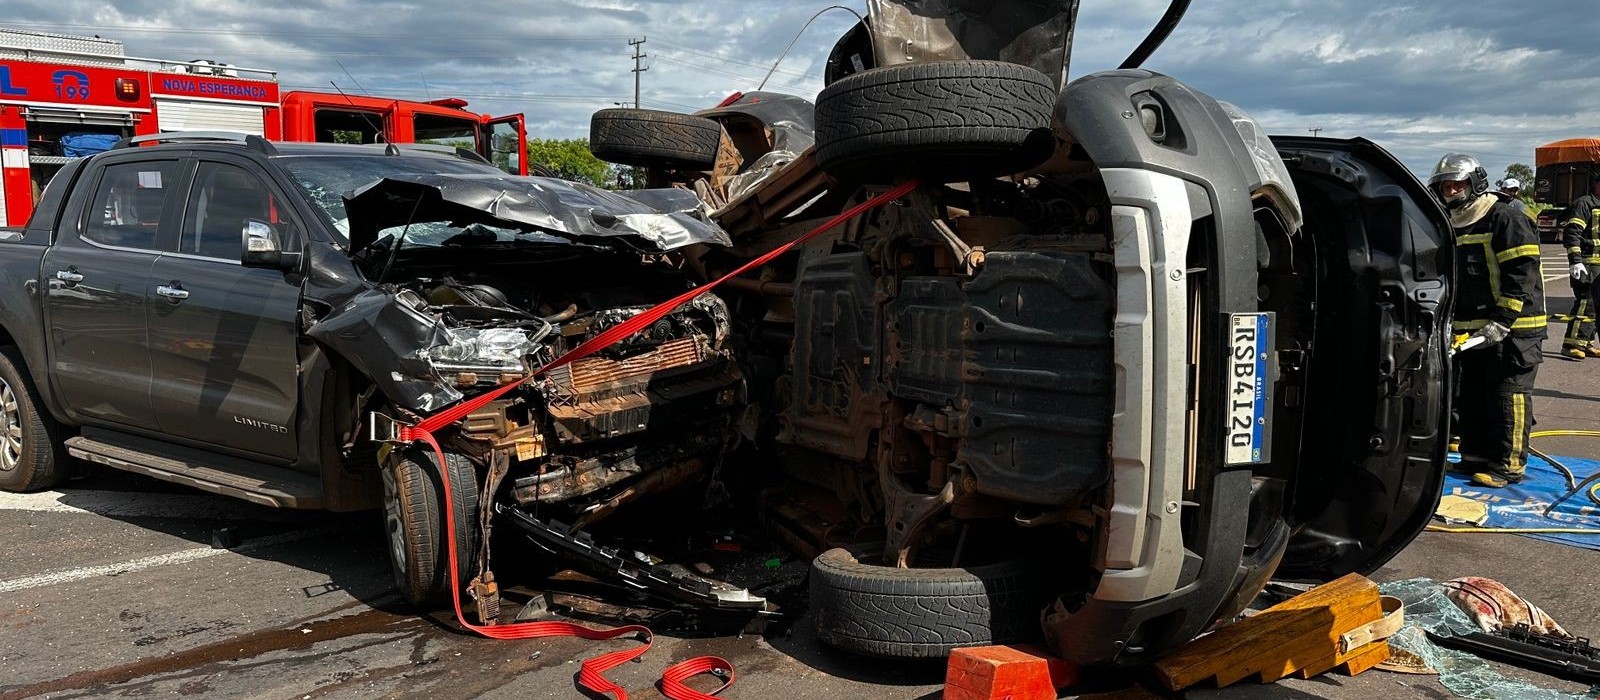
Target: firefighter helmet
x: 1459, y: 167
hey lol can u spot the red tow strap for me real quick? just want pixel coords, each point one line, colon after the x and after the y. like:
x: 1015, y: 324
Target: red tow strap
x: 591, y: 672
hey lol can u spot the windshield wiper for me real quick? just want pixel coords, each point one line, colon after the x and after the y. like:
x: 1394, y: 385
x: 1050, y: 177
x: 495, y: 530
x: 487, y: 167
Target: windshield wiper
x: 398, y: 241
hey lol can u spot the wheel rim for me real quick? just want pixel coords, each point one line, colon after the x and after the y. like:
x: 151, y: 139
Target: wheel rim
x: 10, y: 428
x: 394, y: 527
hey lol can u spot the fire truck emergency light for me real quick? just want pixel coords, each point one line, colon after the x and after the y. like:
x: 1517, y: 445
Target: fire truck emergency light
x: 127, y: 90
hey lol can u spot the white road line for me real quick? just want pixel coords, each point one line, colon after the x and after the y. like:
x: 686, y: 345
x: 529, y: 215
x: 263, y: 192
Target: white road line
x: 124, y: 504
x: 50, y: 578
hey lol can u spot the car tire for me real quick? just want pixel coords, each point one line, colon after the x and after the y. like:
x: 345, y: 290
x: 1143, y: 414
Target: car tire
x: 414, y: 523
x: 32, y: 457
x: 951, y: 120
x: 921, y: 613
x: 652, y: 138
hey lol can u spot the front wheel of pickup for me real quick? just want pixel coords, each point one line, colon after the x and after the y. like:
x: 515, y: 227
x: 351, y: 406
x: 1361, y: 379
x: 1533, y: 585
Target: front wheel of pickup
x: 31, y: 457
x: 921, y: 613
x: 414, y: 521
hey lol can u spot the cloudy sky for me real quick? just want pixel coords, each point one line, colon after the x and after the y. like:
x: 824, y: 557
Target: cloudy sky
x: 1419, y: 77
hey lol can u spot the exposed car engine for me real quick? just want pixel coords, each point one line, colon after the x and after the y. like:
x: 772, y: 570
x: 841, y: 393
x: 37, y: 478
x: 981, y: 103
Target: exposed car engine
x: 578, y: 430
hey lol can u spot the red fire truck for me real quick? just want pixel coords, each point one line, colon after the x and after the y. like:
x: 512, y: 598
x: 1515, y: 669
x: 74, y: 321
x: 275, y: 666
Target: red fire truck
x: 64, y: 96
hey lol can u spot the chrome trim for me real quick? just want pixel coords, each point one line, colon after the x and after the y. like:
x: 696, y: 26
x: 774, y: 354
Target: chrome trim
x: 204, y: 258
x: 103, y: 246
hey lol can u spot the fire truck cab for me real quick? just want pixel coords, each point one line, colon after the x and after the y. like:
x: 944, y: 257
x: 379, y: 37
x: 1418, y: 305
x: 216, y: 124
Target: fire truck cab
x: 64, y: 97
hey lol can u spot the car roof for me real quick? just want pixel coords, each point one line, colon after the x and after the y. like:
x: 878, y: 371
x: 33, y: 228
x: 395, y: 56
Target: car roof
x: 229, y: 141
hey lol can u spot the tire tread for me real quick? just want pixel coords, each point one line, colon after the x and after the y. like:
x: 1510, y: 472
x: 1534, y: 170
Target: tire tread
x: 646, y: 137
x: 921, y: 613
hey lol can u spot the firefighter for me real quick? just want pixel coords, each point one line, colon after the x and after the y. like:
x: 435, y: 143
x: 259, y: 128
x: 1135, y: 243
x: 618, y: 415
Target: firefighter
x: 1581, y: 236
x: 1499, y: 298
x: 1512, y: 187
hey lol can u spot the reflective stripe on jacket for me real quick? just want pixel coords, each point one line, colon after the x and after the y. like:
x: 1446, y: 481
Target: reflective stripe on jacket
x: 1580, y: 230
x: 1500, y: 280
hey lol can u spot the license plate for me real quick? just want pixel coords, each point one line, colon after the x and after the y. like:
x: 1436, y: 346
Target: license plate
x: 1248, y: 409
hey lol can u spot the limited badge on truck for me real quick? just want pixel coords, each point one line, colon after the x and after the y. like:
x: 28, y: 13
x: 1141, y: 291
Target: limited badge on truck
x: 1248, y: 409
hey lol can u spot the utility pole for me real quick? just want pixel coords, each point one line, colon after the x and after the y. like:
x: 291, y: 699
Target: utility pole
x: 637, y: 67
x: 1314, y: 130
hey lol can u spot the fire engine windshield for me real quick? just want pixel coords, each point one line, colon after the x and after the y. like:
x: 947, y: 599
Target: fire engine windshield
x: 449, y: 131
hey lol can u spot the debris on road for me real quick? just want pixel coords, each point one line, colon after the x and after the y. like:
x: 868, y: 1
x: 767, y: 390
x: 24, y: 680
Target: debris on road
x: 1434, y: 620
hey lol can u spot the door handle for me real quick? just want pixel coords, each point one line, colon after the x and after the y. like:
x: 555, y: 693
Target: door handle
x: 69, y: 276
x: 173, y: 293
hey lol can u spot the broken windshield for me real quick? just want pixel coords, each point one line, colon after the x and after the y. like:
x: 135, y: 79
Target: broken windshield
x: 326, y: 179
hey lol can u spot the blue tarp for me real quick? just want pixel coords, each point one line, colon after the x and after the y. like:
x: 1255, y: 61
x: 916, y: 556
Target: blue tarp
x: 1522, y: 505
x: 79, y: 144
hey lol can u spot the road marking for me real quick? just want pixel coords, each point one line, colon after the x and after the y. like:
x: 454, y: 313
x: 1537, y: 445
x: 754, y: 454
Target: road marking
x: 126, y: 504
x: 51, y: 578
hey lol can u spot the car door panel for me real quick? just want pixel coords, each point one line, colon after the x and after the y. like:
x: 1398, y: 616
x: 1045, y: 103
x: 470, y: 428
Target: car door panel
x: 223, y: 336
x: 1376, y: 401
x: 95, y: 281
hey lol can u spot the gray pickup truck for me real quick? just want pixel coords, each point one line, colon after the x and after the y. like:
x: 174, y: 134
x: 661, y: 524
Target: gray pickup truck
x: 231, y: 314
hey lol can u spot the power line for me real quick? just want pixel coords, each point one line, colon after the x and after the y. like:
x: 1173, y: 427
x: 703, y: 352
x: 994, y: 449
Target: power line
x: 683, y: 107
x: 749, y: 64
x: 724, y: 73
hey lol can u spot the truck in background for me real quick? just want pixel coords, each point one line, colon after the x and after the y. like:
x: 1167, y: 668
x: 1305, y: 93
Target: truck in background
x: 63, y: 97
x: 1563, y: 171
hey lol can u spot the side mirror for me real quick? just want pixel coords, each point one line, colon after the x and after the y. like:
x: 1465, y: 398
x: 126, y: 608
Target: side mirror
x: 263, y: 247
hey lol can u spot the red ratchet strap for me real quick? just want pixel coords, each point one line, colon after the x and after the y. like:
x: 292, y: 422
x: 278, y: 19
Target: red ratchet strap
x: 590, y: 673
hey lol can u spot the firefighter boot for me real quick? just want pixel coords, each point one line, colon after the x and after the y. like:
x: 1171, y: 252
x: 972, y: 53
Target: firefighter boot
x: 1497, y: 478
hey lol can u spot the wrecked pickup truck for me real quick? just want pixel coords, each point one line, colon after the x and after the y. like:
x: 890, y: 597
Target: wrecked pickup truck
x: 228, y: 313
x: 1117, y: 361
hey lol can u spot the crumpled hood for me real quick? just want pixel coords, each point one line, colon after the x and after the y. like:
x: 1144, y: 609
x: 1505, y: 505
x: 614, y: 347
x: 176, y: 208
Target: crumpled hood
x: 650, y: 221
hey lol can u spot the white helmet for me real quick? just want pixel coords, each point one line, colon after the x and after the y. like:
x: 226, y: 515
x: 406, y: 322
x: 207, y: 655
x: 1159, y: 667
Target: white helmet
x: 1459, y: 167
x: 1511, y: 183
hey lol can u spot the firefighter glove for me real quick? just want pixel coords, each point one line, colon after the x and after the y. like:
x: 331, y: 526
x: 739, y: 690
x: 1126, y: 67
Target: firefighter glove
x: 1580, y: 272
x: 1493, y: 332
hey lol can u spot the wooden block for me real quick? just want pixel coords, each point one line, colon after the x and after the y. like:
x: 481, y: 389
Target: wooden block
x: 1299, y: 634
x: 1017, y: 672
x: 1371, y: 655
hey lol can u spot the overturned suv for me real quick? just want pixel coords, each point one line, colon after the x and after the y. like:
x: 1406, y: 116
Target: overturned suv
x: 1115, y: 362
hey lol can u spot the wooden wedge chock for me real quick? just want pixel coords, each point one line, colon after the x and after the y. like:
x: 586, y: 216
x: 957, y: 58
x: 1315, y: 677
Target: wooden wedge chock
x: 1341, y: 623
x: 1017, y: 672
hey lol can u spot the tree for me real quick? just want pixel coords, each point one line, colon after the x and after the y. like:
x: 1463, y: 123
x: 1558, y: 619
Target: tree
x: 1522, y: 172
x: 570, y: 159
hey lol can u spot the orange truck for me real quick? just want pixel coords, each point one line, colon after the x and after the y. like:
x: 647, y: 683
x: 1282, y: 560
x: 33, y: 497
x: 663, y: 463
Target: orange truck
x: 1563, y: 171
x: 64, y: 97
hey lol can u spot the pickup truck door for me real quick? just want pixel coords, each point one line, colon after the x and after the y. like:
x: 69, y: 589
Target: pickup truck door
x: 223, y: 336
x: 94, y: 279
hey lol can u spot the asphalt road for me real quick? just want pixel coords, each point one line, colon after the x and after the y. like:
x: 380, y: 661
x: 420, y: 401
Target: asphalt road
x: 110, y: 588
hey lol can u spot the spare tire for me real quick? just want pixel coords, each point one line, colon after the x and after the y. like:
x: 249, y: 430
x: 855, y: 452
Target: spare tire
x: 951, y: 120
x: 651, y: 138
x: 921, y: 613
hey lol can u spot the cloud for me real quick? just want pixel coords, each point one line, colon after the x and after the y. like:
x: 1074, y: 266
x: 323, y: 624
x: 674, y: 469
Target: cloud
x: 1421, y: 78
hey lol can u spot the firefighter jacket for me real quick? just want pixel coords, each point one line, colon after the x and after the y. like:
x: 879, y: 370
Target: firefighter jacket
x: 1500, y: 280
x: 1580, y: 233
